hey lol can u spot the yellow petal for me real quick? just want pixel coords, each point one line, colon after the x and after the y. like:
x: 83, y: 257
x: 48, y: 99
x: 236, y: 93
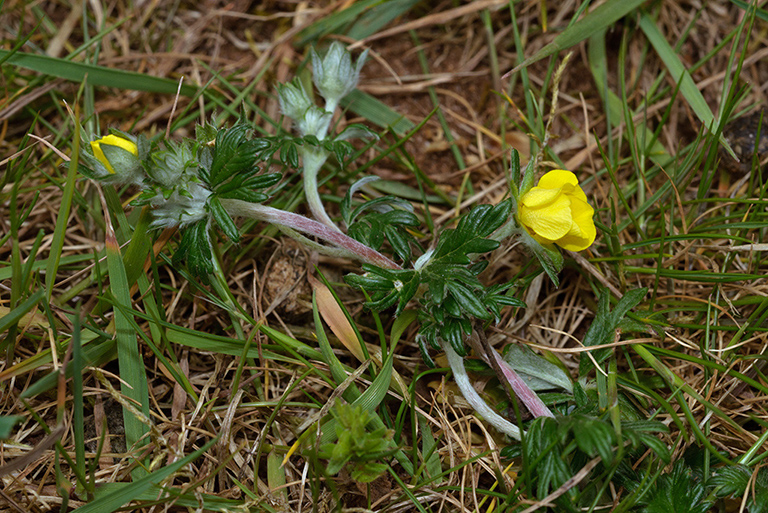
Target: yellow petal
x: 539, y: 197
x: 550, y: 222
x: 112, y: 140
x: 557, y: 178
x: 561, y: 178
x: 120, y: 142
x: 583, y: 231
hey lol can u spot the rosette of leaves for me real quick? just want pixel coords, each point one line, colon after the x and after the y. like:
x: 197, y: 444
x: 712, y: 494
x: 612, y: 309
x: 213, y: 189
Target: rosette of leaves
x: 736, y: 480
x: 375, y: 220
x: 452, y: 297
x: 357, y: 447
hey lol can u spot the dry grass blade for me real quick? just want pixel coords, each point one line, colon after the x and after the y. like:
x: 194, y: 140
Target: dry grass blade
x: 221, y: 379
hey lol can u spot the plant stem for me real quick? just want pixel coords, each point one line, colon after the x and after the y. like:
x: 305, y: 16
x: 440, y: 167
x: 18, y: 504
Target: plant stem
x: 473, y: 398
x: 511, y: 378
x: 312, y: 160
x: 282, y: 218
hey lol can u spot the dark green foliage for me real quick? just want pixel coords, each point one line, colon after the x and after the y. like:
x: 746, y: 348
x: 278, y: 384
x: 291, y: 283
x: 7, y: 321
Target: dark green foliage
x: 363, y: 450
x: 641, y: 435
x: 453, y: 295
x: 560, y: 447
x: 195, y: 250
x: 228, y: 170
x: 544, y: 443
x: 378, y: 219
x: 735, y: 481
x: 679, y: 491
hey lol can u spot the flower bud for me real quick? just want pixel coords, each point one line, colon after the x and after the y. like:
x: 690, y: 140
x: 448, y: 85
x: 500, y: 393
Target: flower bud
x: 334, y: 75
x: 315, y: 121
x: 115, y: 153
x: 294, y: 100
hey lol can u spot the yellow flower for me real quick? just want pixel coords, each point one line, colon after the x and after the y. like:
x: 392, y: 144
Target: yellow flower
x: 556, y: 212
x: 112, y: 140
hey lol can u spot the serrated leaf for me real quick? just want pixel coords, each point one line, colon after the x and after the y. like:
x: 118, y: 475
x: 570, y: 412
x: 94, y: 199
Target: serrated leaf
x: 678, y: 492
x: 732, y: 480
x: 245, y: 195
x: 223, y: 219
x: 593, y: 437
x: 230, y: 155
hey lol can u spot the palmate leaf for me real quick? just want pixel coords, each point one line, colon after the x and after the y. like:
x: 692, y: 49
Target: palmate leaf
x: 733, y: 481
x: 228, y: 170
x: 233, y: 154
x: 470, y: 235
x: 454, y: 296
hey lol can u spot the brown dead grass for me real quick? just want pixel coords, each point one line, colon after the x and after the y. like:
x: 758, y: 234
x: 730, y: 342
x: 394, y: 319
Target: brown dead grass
x: 242, y: 41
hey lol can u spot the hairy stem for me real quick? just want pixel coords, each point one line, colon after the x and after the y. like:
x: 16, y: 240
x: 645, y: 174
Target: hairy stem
x: 312, y: 160
x: 282, y: 218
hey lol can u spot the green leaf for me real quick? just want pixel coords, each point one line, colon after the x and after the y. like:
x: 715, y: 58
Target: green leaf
x: 732, y: 480
x: 603, y: 327
x: 468, y: 302
x: 593, y: 437
x: 223, y: 219
x: 677, y: 492
x: 97, y: 75
x: 232, y: 155
x: 538, y: 373
x: 122, y: 496
x: 641, y: 434
x: 469, y: 236
x: 195, y: 249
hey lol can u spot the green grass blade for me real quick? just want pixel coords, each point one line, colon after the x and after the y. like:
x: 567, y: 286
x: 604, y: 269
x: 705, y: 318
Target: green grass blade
x: 129, y: 358
x: 124, y: 495
x: 678, y: 72
x: 61, y: 220
x: 601, y: 18
x: 13, y: 317
x: 378, y: 17
x: 97, y: 75
x: 376, y: 112
x: 333, y: 22
x: 615, y: 107
x: 760, y: 13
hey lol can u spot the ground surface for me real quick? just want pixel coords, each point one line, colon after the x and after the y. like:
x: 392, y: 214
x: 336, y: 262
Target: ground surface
x: 674, y: 214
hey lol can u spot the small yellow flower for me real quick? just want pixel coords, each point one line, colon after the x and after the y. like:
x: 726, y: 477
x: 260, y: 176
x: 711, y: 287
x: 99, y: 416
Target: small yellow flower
x: 112, y: 140
x: 556, y: 212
